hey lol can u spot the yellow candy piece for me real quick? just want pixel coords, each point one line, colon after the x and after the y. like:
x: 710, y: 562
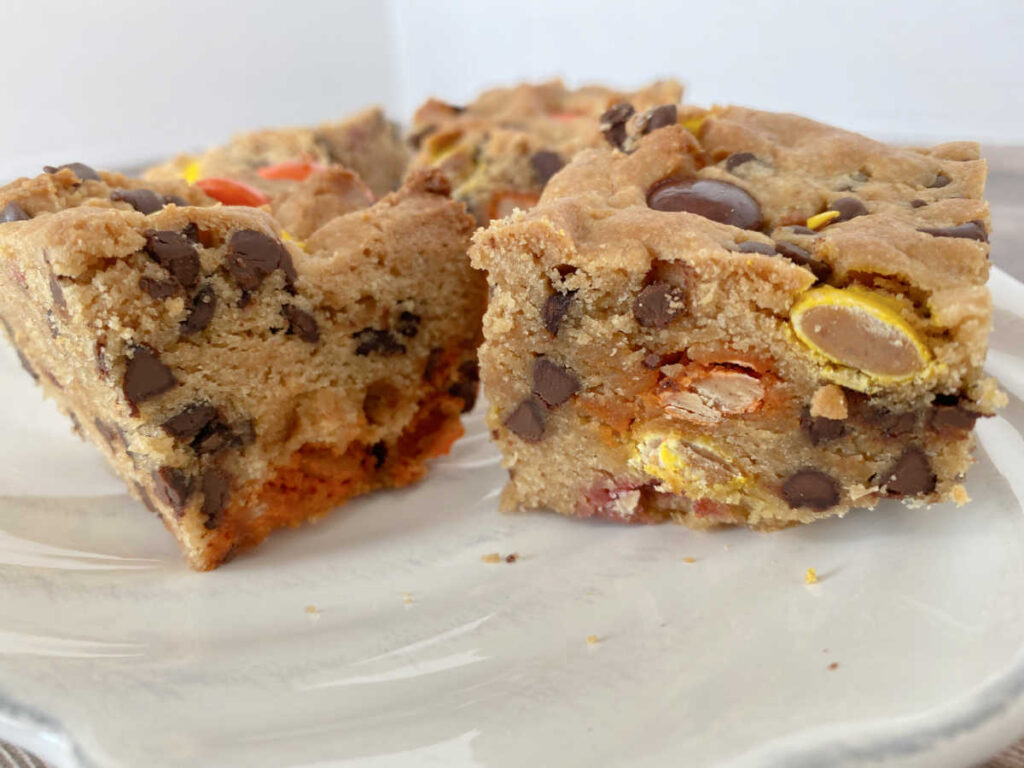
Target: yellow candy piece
x: 859, y: 329
x: 810, y: 576
x: 819, y: 220
x: 192, y: 171
x: 685, y: 466
x: 693, y: 124
x: 285, y: 235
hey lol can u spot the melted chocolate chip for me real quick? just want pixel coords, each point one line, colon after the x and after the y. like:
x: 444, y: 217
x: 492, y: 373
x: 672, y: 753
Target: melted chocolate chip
x: 658, y: 304
x: 252, y: 255
x: 159, y: 289
x: 145, y: 376
x: 736, y: 159
x: 819, y: 429
x: 528, y: 419
x: 466, y: 385
x: 716, y: 200
x: 408, y: 324
x: 753, y: 246
x: 810, y: 488
x: 553, y: 383
x: 613, y: 124
x: 13, y: 212
x: 379, y: 451
x: 970, y: 230
x: 554, y: 310
x: 803, y: 258
x: 190, y: 422
x: 918, y: 203
x: 373, y: 340
x: 142, y: 200
x: 173, y: 487
x: 848, y: 207
x: 941, y: 180
x: 214, y: 486
x: 200, y: 311
x: 659, y: 117
x: 175, y: 253
x: 911, y: 474
x: 301, y: 323
x: 81, y: 170
x: 545, y: 164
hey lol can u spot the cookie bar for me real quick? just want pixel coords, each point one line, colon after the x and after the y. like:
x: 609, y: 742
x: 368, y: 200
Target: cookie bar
x: 267, y: 162
x: 500, y: 150
x: 764, y: 322
x: 238, y: 382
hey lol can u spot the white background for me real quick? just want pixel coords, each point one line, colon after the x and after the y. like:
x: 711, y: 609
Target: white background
x: 124, y: 80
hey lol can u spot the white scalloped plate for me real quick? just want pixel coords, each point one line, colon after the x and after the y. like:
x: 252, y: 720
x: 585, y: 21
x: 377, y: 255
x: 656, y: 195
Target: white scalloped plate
x: 112, y: 653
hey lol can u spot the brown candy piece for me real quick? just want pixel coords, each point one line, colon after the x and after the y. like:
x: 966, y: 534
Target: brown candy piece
x: 545, y: 164
x: 659, y: 117
x: 214, y: 486
x: 528, y: 419
x: 753, y: 246
x: 301, y: 323
x: 144, y: 201
x: 175, y: 253
x: 553, y: 383
x: 200, y: 311
x: 848, y: 207
x: 810, y: 488
x: 613, y: 124
x: 81, y: 170
x: 969, y: 230
x: 713, y: 199
x: 554, y: 310
x: 658, y: 304
x: 911, y: 475
x: 252, y: 255
x: 173, y: 487
x: 145, y: 376
x: 13, y: 212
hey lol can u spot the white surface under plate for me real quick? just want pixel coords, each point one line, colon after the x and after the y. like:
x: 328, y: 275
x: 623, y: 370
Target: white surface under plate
x: 112, y: 653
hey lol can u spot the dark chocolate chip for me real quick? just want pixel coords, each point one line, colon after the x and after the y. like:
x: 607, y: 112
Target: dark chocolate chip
x: 81, y: 170
x: 803, y: 258
x: 613, y: 124
x: 736, y: 159
x: 58, y: 295
x: 145, y: 376
x: 971, y: 230
x: 200, y: 311
x: 215, y: 437
x: 191, y: 231
x: 13, y: 212
x: 658, y: 304
x: 810, y: 488
x: 371, y: 340
x: 848, y: 207
x: 214, y: 487
x: 107, y: 432
x: 142, y: 200
x: 941, y: 180
x: 553, y: 383
x: 252, y: 255
x: 173, y: 487
x: 918, y: 203
x: 659, y: 117
x: 466, y: 385
x: 952, y: 418
x: 890, y: 423
x: 819, y: 429
x: 176, y: 200
x: 190, y: 422
x: 408, y: 324
x: 175, y: 253
x: 753, y: 246
x: 379, y: 451
x: 160, y: 289
x: 554, y: 310
x: 911, y: 474
x: 301, y: 323
x: 652, y: 360
x: 716, y: 200
x: 527, y: 420
x: 545, y: 164
x: 800, y: 229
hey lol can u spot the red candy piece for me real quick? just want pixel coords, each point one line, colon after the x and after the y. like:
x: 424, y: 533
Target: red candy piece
x: 231, y: 192
x: 292, y: 170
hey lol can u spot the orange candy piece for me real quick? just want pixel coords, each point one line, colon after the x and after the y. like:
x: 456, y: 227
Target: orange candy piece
x: 232, y: 192
x: 291, y: 170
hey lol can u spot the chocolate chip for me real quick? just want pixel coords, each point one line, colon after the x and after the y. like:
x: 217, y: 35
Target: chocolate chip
x: 200, y: 311
x: 408, y: 324
x: 107, y: 432
x: 25, y: 363
x: 716, y: 200
x: 142, y: 200
x: 177, y: 200
x: 658, y: 304
x: 800, y: 229
x: 736, y: 159
x: 190, y: 422
x: 910, y: 475
x: 57, y: 293
x: 145, y: 376
x: 252, y: 255
x: 848, y: 207
x: 379, y: 451
x: 803, y: 258
x: 753, y: 246
x: 970, y: 230
x: 215, y: 437
x: 545, y: 164
x: 810, y: 488
x: 159, y: 289
x: 301, y: 323
x: 554, y: 310
x: 553, y: 383
x: 191, y: 231
x: 613, y: 124
x: 891, y: 423
x: 146, y: 501
x: 819, y: 429
x: 175, y: 253
x: 173, y: 487
x: 659, y: 117
x: 13, y: 212
x: 466, y: 385
x: 945, y: 418
x: 651, y: 360
x: 374, y: 340
x: 81, y: 170
x: 918, y: 203
x: 214, y: 487
x: 527, y: 420
x: 941, y: 180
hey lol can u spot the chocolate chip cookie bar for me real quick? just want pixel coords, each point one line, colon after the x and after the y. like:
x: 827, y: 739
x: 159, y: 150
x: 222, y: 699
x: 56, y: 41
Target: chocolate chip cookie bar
x: 238, y: 382
x: 761, y: 320
x: 500, y: 150
x: 258, y: 167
